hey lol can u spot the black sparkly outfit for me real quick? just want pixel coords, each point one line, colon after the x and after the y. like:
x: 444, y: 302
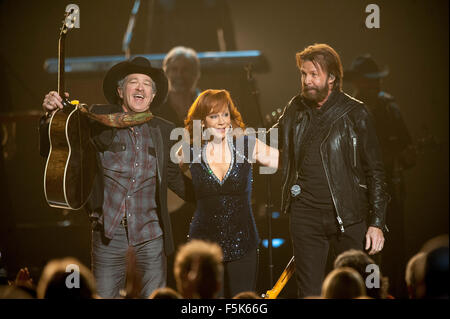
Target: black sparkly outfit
x: 224, y: 213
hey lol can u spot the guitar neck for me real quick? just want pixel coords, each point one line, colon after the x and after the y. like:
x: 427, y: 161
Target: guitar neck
x: 282, y: 281
x: 61, y: 63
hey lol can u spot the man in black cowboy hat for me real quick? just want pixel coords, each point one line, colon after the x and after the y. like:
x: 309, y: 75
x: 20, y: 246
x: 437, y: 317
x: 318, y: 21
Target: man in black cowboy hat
x: 128, y: 203
x: 398, y: 155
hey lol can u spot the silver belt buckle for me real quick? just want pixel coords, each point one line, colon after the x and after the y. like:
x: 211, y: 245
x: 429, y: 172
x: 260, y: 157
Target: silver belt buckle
x: 295, y: 190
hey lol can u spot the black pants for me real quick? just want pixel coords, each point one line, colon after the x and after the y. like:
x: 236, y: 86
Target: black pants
x: 313, y: 236
x: 240, y: 275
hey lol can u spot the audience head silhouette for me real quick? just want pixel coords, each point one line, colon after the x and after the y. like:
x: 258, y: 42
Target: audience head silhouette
x: 359, y: 260
x: 415, y: 276
x: 198, y: 269
x: 165, y: 293
x: 66, y: 278
x: 343, y: 283
x: 436, y: 273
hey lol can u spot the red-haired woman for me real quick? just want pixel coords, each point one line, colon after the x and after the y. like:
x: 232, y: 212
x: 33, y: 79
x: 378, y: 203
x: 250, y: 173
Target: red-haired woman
x: 220, y: 163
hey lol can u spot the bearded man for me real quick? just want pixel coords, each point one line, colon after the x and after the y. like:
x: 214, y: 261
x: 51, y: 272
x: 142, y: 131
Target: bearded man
x: 332, y: 171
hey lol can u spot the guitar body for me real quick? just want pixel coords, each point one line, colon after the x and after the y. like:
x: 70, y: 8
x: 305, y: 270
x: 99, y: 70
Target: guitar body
x: 71, y: 165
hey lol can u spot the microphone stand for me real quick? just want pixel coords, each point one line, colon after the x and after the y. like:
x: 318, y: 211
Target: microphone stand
x: 269, y: 206
x: 129, y: 33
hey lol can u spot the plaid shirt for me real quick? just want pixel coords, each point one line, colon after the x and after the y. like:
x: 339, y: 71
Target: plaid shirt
x: 129, y: 168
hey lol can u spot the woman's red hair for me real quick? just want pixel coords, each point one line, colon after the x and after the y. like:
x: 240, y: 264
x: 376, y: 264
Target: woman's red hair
x: 209, y: 102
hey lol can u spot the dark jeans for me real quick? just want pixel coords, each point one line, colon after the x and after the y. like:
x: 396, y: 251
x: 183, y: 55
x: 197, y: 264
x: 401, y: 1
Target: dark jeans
x: 312, y: 238
x: 240, y: 275
x: 109, y: 263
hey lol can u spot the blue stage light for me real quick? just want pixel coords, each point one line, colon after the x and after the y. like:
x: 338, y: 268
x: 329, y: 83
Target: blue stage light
x: 276, y: 242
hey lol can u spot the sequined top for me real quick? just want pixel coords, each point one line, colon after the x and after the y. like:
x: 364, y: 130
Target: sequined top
x: 224, y: 213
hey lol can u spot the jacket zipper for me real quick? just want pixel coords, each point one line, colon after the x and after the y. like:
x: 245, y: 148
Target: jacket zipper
x: 354, y: 151
x: 341, y: 224
x: 339, y: 219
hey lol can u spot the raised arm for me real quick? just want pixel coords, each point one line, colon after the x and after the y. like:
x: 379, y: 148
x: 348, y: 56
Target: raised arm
x: 52, y: 102
x: 180, y: 156
x: 265, y: 155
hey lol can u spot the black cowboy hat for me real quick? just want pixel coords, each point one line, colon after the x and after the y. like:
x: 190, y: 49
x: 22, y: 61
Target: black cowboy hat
x: 365, y: 66
x: 136, y: 65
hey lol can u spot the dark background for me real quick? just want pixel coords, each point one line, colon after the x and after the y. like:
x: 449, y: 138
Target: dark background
x: 412, y: 40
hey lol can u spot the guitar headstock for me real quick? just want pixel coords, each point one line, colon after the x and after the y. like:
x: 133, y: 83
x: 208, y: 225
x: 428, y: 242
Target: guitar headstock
x: 69, y: 20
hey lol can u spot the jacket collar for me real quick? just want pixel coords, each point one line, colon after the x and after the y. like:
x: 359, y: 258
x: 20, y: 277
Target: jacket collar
x: 337, y: 98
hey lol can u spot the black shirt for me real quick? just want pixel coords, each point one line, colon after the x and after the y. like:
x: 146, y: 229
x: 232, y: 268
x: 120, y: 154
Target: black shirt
x: 311, y: 175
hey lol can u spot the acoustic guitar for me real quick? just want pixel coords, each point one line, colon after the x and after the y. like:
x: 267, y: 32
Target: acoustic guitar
x: 71, y: 164
x: 282, y: 281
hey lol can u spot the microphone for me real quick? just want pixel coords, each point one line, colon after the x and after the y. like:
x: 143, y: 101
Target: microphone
x: 129, y: 33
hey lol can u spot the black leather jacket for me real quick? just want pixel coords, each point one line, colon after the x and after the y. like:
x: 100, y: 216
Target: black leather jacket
x: 351, y: 157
